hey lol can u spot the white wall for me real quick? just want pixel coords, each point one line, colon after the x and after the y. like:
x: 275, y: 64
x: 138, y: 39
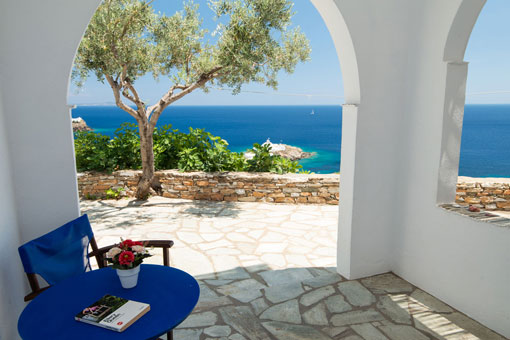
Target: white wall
x: 11, y: 273
x: 461, y: 261
x: 38, y: 41
x: 396, y: 72
x: 402, y: 141
x: 38, y: 185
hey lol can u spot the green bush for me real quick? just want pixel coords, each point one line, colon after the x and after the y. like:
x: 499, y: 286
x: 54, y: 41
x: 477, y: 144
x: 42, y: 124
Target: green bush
x: 91, y: 151
x: 95, y: 151
x: 196, y: 150
x: 262, y: 160
x: 124, y: 148
x: 114, y: 193
x: 166, y: 148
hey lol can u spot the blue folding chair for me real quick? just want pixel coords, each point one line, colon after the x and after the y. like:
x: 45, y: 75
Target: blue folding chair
x: 63, y: 253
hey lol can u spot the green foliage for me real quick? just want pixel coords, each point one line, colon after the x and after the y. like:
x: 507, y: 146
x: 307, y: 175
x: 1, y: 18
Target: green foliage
x: 125, y: 148
x: 90, y: 197
x: 166, y: 147
x: 92, y: 151
x: 256, y: 43
x: 127, y: 39
x: 264, y: 161
x: 282, y: 165
x: 114, y: 193
x: 196, y: 150
x: 253, y: 41
x: 95, y: 151
x: 118, y: 35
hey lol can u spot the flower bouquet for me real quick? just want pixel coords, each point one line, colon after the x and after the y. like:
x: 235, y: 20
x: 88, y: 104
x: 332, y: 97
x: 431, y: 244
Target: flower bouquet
x: 126, y: 258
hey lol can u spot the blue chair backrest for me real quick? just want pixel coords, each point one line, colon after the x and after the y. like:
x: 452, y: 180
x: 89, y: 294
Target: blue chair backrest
x: 59, y: 254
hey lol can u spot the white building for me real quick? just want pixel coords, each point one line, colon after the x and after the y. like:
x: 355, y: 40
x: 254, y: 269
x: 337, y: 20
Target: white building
x: 404, y: 79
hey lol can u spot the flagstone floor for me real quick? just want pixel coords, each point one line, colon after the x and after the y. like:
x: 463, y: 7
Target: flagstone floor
x: 266, y: 271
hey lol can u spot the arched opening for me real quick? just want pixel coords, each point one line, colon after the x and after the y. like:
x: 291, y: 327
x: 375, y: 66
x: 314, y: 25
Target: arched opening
x: 474, y: 135
x: 455, y: 92
x: 224, y: 242
x: 338, y: 30
x: 484, y: 157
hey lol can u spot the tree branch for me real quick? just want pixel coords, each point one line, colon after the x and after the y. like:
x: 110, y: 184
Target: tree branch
x: 155, y: 110
x: 133, y: 91
x: 127, y: 95
x: 116, y: 93
x: 125, y: 86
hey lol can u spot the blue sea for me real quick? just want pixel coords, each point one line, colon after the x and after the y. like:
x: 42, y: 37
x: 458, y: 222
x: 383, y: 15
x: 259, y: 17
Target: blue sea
x: 485, y: 150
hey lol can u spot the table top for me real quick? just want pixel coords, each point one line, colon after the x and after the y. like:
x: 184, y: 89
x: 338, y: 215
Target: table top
x: 171, y: 293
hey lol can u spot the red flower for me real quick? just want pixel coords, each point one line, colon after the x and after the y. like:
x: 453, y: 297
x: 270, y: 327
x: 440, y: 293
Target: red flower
x: 127, y: 244
x: 137, y: 243
x: 126, y: 257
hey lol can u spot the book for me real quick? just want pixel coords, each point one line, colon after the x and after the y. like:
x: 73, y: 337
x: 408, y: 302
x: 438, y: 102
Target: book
x: 112, y: 312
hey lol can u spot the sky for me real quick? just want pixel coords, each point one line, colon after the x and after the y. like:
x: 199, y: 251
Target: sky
x: 488, y: 54
x: 319, y: 81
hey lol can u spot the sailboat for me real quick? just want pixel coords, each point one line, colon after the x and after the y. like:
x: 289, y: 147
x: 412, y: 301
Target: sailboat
x: 313, y: 112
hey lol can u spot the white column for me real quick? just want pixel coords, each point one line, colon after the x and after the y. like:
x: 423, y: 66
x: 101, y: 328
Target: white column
x: 12, y: 281
x: 347, y: 171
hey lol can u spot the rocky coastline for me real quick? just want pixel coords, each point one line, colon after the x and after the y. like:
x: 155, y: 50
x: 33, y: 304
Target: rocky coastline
x: 79, y: 124
x: 293, y: 153
x: 286, y: 151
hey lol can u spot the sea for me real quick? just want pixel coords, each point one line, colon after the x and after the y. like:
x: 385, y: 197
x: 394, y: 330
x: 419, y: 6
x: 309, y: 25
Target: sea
x: 485, y: 148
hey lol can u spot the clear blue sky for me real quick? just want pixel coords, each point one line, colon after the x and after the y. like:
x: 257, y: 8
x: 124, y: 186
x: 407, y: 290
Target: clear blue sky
x: 488, y: 54
x: 319, y: 81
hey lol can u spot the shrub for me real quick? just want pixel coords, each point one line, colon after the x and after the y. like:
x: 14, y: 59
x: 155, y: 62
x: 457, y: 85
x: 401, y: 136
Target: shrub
x: 166, y: 148
x: 282, y: 165
x: 124, y: 148
x: 114, y: 193
x: 262, y: 160
x: 195, y: 150
x: 92, y: 151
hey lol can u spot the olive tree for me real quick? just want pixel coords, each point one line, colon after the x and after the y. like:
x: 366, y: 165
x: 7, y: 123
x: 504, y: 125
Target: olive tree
x: 127, y: 39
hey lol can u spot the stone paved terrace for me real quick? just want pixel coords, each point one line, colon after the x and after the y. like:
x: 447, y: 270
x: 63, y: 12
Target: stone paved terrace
x: 267, y: 271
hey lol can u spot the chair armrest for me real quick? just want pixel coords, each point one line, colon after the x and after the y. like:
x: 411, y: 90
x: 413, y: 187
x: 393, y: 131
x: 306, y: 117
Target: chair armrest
x: 101, y: 251
x: 164, y: 244
x: 158, y: 243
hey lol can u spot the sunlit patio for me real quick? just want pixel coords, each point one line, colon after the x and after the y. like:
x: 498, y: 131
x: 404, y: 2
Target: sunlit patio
x: 267, y: 271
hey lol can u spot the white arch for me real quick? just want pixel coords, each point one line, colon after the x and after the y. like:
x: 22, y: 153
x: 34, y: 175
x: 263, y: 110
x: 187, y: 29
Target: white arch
x: 461, y: 29
x: 93, y: 5
x: 339, y: 32
x: 346, y: 53
x: 455, y: 96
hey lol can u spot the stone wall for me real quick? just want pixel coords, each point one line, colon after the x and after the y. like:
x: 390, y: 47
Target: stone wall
x: 484, y: 193
x: 229, y: 186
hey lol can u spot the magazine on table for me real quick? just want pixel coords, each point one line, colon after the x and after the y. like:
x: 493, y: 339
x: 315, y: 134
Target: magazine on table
x: 112, y: 312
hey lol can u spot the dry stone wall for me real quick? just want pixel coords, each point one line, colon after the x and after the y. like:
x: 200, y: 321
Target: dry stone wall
x: 484, y: 193
x: 227, y: 186
x: 488, y: 194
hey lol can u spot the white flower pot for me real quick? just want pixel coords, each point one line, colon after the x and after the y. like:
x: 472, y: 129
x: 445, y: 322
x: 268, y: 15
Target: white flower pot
x: 128, y: 277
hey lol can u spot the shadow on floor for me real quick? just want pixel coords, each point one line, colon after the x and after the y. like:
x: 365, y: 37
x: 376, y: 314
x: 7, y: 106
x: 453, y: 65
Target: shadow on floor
x: 317, y: 303
x: 119, y: 214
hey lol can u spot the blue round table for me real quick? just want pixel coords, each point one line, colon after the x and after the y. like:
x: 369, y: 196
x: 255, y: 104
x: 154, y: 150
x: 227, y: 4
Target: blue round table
x: 171, y: 293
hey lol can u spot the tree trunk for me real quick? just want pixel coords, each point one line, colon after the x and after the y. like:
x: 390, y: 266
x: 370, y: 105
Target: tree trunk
x: 147, y: 153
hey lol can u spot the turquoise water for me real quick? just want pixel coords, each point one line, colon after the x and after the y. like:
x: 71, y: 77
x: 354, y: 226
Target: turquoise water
x: 485, y: 150
x: 242, y: 126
